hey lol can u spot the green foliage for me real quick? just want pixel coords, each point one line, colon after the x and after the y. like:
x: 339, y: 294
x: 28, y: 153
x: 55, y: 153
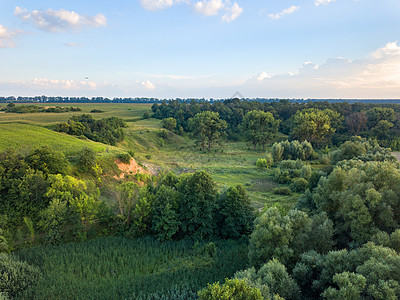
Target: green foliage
x: 358, y: 197
x: 16, y: 277
x: 48, y: 161
x: 368, y: 272
x: 286, y: 237
x: 86, y: 160
x: 197, y: 204
x: 293, y: 150
x: 208, y: 128
x: 259, y: 127
x: 165, y: 218
x: 120, y: 268
x: 263, y: 164
x: 234, y: 289
x: 350, y: 286
x: 124, y: 158
x: 272, y: 279
x: 23, y: 109
x: 3, y: 242
x: 282, y: 191
x: 299, y: 185
x: 315, y: 125
x: 169, y: 124
x: 108, y: 131
x: 235, y: 214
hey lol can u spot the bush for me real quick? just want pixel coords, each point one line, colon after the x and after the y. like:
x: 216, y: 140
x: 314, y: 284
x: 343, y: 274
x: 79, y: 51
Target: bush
x: 232, y: 289
x: 282, y: 191
x: 147, y: 156
x: 146, y: 115
x: 262, y: 164
x: 86, y: 159
x: 299, y: 185
x: 124, y: 158
x: 16, y: 276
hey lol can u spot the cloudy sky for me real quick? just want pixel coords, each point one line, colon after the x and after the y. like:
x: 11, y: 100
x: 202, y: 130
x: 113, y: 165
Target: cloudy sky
x: 201, y: 48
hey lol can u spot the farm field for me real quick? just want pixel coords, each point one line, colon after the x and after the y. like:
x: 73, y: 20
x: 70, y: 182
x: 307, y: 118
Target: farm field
x: 119, y: 268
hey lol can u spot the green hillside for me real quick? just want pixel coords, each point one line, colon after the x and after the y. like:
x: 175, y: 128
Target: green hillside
x: 24, y: 136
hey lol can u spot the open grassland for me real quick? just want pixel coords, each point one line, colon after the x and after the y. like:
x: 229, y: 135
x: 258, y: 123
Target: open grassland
x: 128, y: 112
x: 119, y: 268
x: 230, y: 164
x: 26, y: 137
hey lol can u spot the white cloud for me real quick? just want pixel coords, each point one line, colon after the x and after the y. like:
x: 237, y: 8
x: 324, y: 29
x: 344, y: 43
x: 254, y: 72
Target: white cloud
x: 64, y: 84
x: 390, y: 49
x: 59, y: 20
x: 232, y: 13
x: 214, y: 7
x: 159, y: 4
x: 73, y: 45
x: 322, y: 2
x: 7, y: 37
x: 147, y: 84
x: 284, y: 12
x: 375, y: 77
x: 209, y: 8
x: 262, y: 76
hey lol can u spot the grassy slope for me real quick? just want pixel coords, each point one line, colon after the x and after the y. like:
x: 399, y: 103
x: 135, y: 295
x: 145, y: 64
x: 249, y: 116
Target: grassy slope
x: 232, y: 164
x: 24, y: 136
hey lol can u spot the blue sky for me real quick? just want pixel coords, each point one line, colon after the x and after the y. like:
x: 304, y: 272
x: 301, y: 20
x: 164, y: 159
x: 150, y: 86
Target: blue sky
x: 201, y: 48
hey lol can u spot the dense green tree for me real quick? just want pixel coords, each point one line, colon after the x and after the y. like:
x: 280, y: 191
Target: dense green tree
x: 359, y: 198
x: 48, y: 161
x: 286, y: 237
x: 197, y: 204
x: 235, y: 213
x: 165, y: 218
x: 169, y: 124
x: 208, y: 128
x: 314, y: 125
x: 377, y: 114
x: 259, y: 127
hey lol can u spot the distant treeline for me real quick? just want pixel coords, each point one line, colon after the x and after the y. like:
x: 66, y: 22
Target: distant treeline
x: 341, y: 120
x: 46, y: 99
x: 23, y: 109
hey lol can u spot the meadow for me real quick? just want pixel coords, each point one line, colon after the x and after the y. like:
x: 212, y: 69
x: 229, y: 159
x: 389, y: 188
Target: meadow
x: 120, y: 268
x: 230, y: 164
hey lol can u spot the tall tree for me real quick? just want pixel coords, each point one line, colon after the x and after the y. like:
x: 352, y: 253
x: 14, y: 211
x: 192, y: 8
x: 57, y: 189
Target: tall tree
x: 314, y: 125
x: 208, y: 127
x: 259, y: 127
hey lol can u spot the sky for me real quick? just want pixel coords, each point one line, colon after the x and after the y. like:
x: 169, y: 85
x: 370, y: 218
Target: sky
x: 201, y: 48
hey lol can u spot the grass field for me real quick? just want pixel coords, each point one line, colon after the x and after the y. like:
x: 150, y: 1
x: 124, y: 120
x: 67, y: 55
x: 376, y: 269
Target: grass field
x: 119, y: 268
x: 231, y: 164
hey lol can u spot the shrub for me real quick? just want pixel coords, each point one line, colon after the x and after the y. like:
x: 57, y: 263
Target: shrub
x: 124, y: 158
x: 282, y: 191
x: 86, y: 159
x: 147, y: 156
x: 232, y: 289
x: 299, y: 185
x: 262, y: 164
x: 16, y: 276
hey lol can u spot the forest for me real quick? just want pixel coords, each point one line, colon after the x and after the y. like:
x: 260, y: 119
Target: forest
x: 196, y: 200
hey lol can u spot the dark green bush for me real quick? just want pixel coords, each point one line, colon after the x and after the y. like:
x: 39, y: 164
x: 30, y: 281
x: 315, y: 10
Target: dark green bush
x: 16, y: 276
x: 282, y: 191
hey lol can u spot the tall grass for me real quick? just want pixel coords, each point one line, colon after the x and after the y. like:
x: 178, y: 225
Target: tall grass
x: 119, y: 268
